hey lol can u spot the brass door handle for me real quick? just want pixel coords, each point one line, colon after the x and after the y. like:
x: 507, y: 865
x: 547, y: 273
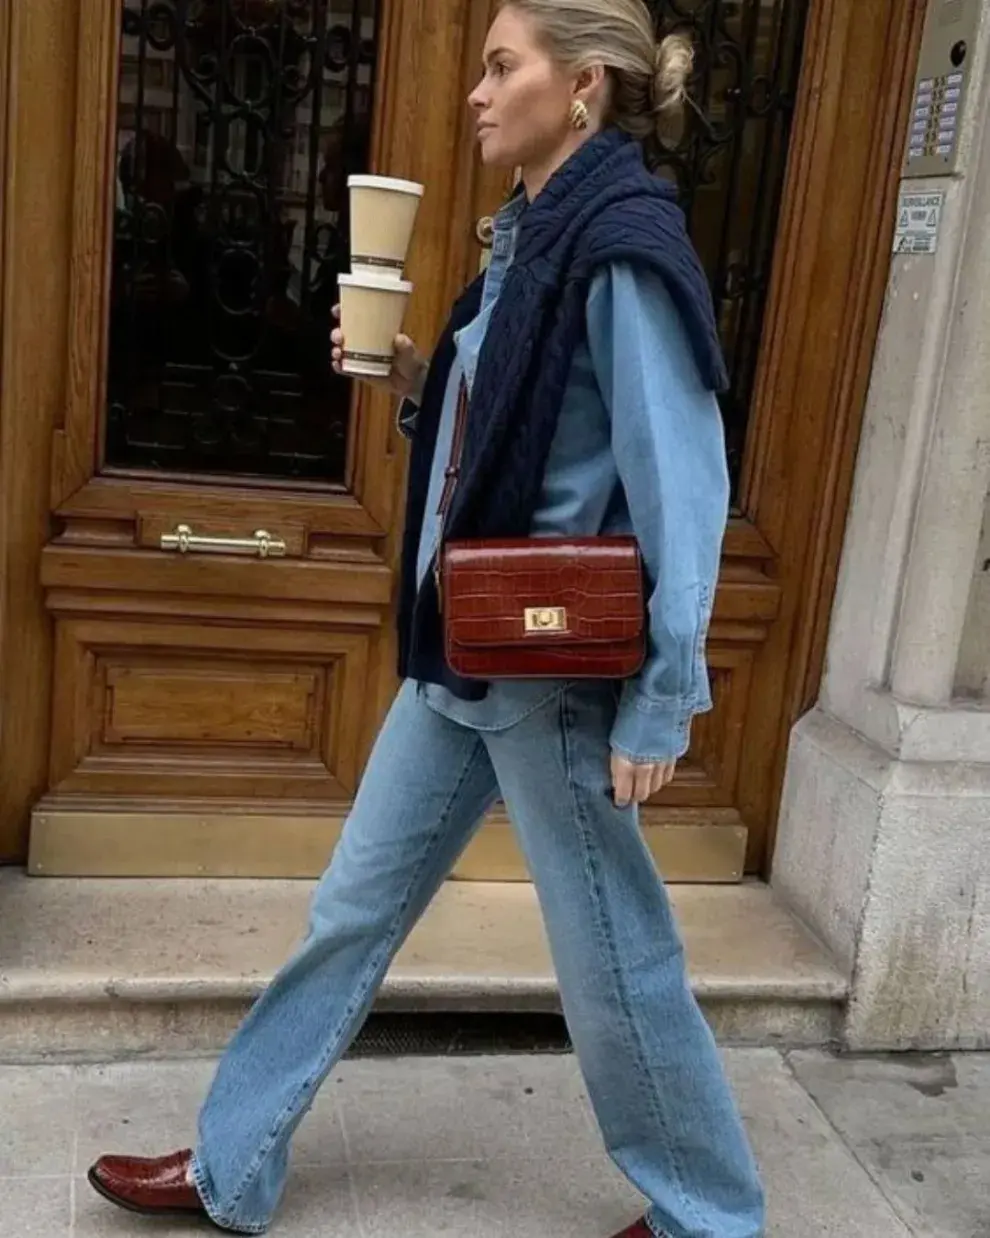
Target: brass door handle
x: 261, y: 546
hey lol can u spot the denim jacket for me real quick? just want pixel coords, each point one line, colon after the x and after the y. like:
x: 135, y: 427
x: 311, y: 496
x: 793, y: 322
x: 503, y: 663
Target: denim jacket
x: 639, y: 449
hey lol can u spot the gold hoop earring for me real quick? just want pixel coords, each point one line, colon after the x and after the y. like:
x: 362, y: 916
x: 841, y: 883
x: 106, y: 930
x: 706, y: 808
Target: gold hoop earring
x: 580, y: 116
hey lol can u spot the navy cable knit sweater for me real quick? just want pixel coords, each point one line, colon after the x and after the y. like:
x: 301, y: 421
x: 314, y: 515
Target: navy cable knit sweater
x: 602, y: 206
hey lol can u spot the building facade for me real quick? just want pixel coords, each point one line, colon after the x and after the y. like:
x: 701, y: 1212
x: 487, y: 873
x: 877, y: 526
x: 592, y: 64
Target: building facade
x: 175, y: 218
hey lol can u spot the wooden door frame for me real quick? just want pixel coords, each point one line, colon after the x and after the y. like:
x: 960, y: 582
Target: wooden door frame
x: 831, y: 266
x: 830, y: 271
x: 37, y: 192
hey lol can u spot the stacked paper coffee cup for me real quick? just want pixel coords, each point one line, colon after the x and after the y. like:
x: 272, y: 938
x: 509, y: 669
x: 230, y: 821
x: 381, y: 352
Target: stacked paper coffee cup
x: 374, y: 295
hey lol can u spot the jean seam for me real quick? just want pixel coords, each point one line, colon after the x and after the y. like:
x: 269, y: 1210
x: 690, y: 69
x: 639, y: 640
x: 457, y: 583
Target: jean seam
x: 209, y: 1203
x: 655, y: 1231
x: 363, y: 989
x: 607, y: 936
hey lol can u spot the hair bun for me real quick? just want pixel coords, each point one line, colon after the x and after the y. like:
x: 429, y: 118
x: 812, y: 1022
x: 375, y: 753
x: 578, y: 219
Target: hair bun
x: 673, y: 62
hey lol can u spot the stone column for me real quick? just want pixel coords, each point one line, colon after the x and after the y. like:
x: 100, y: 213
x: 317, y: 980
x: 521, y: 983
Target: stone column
x: 973, y: 671
x: 950, y: 507
x: 884, y: 839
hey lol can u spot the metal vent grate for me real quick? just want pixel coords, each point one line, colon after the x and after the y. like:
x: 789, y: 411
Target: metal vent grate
x: 451, y: 1035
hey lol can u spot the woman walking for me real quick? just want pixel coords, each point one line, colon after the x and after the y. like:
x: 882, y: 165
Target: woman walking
x: 570, y: 397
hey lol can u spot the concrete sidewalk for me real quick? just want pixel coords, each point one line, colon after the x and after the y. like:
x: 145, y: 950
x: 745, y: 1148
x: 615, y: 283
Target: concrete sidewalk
x: 506, y: 1147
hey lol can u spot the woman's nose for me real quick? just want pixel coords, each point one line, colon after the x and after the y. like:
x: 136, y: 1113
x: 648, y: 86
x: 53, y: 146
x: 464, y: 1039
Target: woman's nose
x: 477, y: 99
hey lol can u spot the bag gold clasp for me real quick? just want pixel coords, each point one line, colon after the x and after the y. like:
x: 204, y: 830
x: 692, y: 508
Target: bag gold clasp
x: 542, y: 619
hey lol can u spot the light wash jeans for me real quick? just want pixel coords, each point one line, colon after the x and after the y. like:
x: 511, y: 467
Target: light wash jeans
x: 646, y: 1053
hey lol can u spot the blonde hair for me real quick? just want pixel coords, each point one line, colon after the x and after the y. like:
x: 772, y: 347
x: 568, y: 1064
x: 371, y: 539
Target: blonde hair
x: 648, y: 79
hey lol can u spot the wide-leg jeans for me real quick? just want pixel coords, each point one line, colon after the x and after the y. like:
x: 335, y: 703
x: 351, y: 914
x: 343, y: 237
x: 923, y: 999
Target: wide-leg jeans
x: 646, y: 1053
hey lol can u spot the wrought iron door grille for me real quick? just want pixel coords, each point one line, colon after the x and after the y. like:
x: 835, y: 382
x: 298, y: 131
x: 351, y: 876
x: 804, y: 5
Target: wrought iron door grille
x: 238, y: 123
x: 730, y: 165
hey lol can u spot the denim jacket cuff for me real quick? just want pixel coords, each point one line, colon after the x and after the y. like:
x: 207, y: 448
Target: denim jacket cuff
x: 646, y: 732
x: 406, y: 418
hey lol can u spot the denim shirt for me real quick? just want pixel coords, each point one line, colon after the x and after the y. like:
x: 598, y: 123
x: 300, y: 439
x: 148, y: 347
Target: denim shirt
x: 640, y: 449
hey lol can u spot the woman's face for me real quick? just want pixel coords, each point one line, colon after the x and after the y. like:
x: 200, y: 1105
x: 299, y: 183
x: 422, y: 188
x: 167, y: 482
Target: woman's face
x: 523, y: 102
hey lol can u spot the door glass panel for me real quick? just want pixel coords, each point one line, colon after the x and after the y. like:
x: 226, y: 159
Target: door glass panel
x: 238, y: 124
x: 730, y: 165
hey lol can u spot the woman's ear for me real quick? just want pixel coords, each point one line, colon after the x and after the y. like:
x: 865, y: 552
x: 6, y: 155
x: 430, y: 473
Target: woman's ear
x: 589, y: 83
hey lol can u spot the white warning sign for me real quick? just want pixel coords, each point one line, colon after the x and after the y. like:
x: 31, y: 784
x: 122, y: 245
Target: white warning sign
x: 918, y: 218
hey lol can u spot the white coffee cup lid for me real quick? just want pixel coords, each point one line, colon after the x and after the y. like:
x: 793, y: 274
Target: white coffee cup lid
x: 382, y: 282
x: 385, y: 182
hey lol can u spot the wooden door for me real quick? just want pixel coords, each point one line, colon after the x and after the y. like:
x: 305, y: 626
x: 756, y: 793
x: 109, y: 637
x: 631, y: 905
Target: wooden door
x: 213, y: 709
x: 212, y: 712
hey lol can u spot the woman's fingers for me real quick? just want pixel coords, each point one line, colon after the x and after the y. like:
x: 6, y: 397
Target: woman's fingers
x: 663, y: 776
x: 631, y: 783
x: 405, y: 366
x: 337, y: 342
x: 623, y: 774
x: 643, y: 783
x: 635, y: 784
x: 659, y: 779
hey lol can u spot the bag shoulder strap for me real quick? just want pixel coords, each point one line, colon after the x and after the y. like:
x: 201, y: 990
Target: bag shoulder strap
x: 453, y: 471
x: 452, y: 475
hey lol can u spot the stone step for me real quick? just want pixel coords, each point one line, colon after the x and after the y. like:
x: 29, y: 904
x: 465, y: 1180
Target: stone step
x: 113, y: 968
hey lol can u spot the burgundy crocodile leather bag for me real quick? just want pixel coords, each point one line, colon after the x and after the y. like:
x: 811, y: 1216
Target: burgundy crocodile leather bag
x: 538, y: 608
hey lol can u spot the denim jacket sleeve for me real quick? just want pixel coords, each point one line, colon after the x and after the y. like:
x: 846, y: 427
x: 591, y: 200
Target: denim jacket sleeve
x: 669, y: 447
